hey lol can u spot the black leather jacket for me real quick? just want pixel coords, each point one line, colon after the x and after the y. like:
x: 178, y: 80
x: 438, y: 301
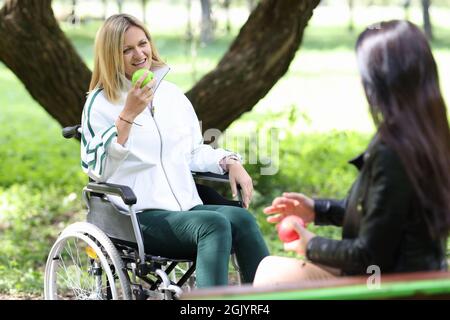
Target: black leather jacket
x: 380, y: 220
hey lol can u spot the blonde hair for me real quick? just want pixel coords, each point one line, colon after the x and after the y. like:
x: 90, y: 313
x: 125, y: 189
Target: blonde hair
x: 109, y: 68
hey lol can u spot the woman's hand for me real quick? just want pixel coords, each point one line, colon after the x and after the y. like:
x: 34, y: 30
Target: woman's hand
x: 299, y: 245
x: 138, y: 99
x: 238, y: 175
x: 291, y: 203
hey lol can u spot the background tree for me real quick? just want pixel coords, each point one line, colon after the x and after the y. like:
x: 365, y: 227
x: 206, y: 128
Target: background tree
x: 406, y: 7
x: 207, y: 23
x: 73, y: 14
x: 351, y: 23
x: 105, y: 6
x: 426, y: 18
x: 120, y: 5
x: 144, y: 11
x: 36, y: 50
x: 258, y: 57
x: 189, y: 29
x: 251, y: 4
x: 226, y: 6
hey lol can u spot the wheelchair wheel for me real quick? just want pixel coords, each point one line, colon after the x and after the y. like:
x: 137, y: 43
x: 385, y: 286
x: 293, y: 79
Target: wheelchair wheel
x: 83, y: 264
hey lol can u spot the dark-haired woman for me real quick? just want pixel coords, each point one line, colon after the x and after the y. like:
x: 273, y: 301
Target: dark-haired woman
x: 396, y: 217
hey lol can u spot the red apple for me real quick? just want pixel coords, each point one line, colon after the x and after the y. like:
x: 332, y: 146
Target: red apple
x: 285, y: 231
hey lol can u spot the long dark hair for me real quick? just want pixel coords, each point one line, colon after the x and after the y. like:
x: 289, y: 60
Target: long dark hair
x: 401, y: 82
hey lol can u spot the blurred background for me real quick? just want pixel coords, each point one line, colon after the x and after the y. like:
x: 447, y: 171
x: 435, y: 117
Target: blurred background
x: 312, y: 121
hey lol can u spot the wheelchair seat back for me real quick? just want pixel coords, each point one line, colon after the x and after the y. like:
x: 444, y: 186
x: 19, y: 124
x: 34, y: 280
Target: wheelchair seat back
x: 115, y: 223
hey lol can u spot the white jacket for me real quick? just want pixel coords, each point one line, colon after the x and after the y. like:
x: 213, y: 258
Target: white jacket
x: 160, y: 153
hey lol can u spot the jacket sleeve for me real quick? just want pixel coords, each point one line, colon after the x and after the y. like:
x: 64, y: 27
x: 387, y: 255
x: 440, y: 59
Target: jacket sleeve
x: 101, y: 155
x: 381, y: 224
x: 203, y: 157
x: 329, y: 211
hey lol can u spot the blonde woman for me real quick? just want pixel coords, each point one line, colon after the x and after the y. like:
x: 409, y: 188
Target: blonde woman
x: 149, y: 139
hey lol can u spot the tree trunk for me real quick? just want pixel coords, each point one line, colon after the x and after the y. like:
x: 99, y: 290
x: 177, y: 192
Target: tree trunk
x: 251, y: 5
x: 207, y: 24
x: 351, y: 23
x: 120, y: 5
x: 33, y: 46
x: 257, y: 59
x: 226, y: 5
x: 105, y: 6
x: 189, y: 32
x: 73, y: 14
x: 144, y: 11
x: 426, y: 19
x: 406, y: 7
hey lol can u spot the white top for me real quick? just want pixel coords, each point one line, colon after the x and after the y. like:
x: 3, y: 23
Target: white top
x: 160, y: 153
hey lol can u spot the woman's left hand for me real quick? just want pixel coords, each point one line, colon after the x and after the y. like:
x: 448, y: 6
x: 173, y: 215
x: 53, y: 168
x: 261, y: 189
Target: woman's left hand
x: 299, y: 245
x: 238, y: 175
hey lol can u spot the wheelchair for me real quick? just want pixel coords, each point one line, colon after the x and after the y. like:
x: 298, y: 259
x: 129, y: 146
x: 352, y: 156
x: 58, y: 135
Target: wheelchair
x: 103, y: 258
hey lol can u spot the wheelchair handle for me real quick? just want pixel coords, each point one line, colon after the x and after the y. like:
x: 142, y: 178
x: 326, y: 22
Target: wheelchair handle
x: 125, y: 192
x: 72, y: 132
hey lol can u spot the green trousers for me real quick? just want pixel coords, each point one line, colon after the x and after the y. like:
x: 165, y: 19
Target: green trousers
x: 206, y: 233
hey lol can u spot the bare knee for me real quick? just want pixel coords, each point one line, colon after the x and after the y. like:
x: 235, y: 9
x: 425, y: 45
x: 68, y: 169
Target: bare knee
x: 283, y: 270
x: 267, y: 271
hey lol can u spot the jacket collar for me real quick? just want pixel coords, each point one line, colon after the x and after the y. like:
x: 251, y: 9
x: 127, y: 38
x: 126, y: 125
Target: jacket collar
x: 360, y: 159
x: 159, y: 74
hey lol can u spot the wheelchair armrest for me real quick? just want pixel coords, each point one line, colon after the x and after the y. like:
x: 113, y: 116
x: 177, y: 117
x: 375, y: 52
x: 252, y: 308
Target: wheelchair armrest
x: 72, y: 132
x: 124, y: 192
x: 211, y: 176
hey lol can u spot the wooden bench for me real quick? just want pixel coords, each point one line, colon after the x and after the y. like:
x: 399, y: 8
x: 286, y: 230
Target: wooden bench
x: 417, y: 285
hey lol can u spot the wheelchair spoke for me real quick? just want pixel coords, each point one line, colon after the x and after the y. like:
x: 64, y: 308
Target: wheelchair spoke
x: 84, y: 264
x: 80, y: 274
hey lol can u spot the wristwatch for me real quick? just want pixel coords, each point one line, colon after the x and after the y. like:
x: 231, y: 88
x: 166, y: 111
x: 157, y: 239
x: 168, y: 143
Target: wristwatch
x: 223, y: 162
x: 234, y: 157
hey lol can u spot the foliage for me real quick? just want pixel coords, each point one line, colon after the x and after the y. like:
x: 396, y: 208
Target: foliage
x: 315, y: 164
x: 29, y: 223
x: 40, y: 185
x: 35, y: 158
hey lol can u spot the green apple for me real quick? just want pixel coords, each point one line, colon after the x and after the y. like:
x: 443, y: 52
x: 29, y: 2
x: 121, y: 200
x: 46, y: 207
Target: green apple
x: 139, y: 73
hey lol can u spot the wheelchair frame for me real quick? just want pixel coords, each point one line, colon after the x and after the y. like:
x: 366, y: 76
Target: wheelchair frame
x: 115, y: 250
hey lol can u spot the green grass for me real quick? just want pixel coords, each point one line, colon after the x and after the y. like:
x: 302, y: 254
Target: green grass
x: 318, y: 108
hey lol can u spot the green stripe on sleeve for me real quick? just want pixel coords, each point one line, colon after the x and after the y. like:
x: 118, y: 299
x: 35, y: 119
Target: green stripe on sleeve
x: 106, y: 146
x: 95, y: 156
x: 94, y: 149
x: 89, y: 111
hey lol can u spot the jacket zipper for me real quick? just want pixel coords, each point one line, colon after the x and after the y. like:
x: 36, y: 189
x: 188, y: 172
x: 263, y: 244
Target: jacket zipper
x: 152, y: 112
x: 160, y: 157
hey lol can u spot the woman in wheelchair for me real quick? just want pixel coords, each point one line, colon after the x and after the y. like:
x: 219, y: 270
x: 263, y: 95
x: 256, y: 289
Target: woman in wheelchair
x: 148, y: 138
